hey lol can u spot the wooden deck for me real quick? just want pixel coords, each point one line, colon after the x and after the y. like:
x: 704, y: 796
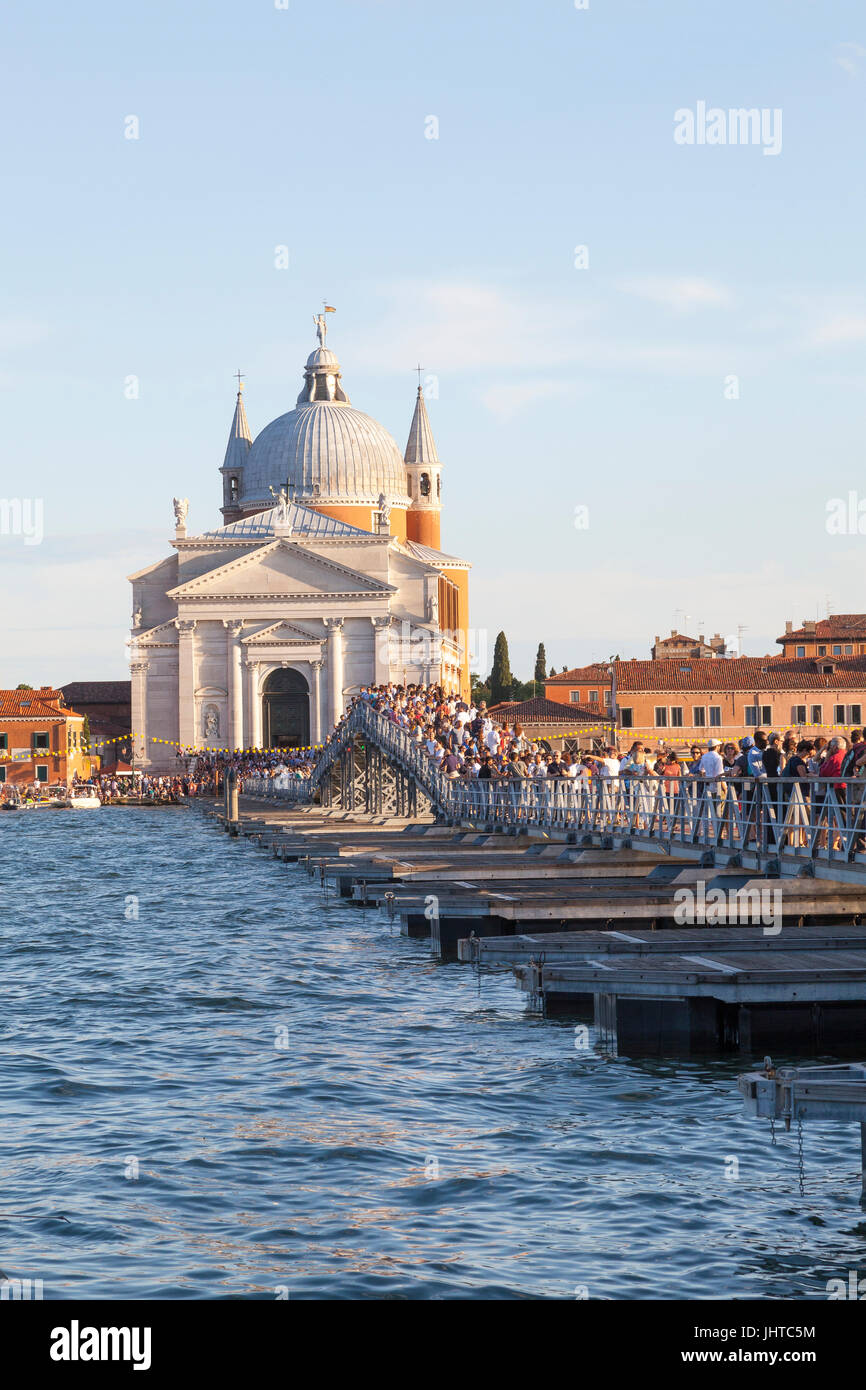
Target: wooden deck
x: 586, y: 928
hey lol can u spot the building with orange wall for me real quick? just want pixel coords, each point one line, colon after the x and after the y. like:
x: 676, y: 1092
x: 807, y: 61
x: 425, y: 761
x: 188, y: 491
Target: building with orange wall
x: 844, y: 634
x: 40, y: 738
x: 684, y: 701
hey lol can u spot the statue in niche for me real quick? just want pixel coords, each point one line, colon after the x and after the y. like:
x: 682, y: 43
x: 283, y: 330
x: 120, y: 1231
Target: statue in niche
x: 211, y: 723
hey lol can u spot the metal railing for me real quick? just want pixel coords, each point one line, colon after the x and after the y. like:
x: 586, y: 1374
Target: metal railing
x: 281, y: 788
x: 814, y: 818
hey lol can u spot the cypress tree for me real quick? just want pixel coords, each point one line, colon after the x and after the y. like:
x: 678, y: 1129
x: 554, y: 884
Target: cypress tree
x: 501, y: 679
x: 540, y: 662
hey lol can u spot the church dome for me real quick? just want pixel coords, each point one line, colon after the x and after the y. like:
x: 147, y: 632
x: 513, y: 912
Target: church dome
x: 329, y: 452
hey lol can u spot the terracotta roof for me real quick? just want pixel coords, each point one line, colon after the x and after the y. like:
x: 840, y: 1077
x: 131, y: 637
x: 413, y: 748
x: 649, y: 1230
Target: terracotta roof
x: 542, y: 711
x: 98, y: 692
x: 839, y: 625
x: 598, y: 671
x: 753, y: 673
x: 43, y: 703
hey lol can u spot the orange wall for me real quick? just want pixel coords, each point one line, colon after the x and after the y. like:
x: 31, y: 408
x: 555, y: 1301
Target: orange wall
x: 424, y: 525
x: 460, y: 578
x: 851, y: 647
x: 19, y: 735
x: 365, y: 517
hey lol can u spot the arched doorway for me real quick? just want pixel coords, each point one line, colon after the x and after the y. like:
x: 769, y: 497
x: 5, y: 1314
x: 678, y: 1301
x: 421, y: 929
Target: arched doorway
x: 285, y: 710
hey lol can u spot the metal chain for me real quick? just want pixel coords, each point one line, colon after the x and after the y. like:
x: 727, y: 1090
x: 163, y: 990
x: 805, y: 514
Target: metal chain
x: 773, y: 1132
x: 801, y: 1170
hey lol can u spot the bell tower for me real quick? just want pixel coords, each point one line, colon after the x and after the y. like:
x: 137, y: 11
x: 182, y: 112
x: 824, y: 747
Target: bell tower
x: 237, y: 450
x: 424, y: 478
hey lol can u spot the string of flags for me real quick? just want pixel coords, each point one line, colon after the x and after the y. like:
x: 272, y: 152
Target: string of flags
x: 36, y: 754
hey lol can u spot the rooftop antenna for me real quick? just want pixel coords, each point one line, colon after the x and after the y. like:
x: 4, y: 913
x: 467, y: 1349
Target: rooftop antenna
x: 741, y: 628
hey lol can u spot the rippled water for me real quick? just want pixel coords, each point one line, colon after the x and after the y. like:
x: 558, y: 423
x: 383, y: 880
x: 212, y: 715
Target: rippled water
x: 310, y: 1167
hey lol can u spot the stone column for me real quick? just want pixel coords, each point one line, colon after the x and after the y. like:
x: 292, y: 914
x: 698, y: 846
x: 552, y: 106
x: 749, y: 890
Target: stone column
x: 381, y: 652
x: 254, y: 706
x: 140, y: 746
x: 234, y: 662
x: 316, y: 703
x: 335, y: 669
x: 186, y: 730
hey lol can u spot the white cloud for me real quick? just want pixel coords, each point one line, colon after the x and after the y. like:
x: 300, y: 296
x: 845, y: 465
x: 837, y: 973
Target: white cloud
x: 848, y: 57
x: 681, y: 293
x: 843, y: 327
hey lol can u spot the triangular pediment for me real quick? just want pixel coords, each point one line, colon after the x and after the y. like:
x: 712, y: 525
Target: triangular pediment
x: 281, y: 568
x: 160, y: 635
x: 282, y: 631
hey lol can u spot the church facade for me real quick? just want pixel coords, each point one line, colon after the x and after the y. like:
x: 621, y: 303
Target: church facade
x: 325, y: 575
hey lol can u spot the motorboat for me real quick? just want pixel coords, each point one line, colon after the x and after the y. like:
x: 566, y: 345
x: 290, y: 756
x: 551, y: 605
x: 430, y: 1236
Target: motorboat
x: 84, y: 799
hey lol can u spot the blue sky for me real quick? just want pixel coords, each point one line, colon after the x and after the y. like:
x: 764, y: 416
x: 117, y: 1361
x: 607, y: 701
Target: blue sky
x: 558, y: 387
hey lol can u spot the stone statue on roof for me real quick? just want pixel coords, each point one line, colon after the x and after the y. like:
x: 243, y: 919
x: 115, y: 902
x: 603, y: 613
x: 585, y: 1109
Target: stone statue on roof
x: 181, y: 507
x: 283, y: 503
x: 321, y: 328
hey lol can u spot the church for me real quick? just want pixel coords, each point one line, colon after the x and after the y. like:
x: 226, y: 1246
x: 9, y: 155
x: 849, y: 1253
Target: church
x: 325, y: 575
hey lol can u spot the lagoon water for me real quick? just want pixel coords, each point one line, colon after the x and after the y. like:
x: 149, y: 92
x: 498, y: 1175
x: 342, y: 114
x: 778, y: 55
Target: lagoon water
x: 252, y: 1090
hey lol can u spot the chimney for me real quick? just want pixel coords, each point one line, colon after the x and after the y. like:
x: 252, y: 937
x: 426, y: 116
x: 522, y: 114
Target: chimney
x: 789, y: 627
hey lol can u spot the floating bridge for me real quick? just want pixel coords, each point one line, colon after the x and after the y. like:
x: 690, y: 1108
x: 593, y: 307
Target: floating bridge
x: 779, y: 828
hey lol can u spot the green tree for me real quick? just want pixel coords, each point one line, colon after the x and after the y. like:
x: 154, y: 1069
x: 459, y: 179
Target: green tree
x: 500, y: 679
x: 540, y: 666
x: 22, y: 686
x: 479, y: 690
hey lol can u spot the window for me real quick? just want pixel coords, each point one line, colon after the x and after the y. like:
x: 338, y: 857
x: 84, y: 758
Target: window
x: 438, y: 485
x: 854, y: 715
x: 574, y: 696
x: 801, y: 651
x: 607, y: 698
x: 233, y: 489
x: 661, y: 717
x: 676, y: 716
x: 625, y: 718
x: 699, y: 716
x: 758, y: 714
x: 593, y: 697
x: 838, y: 714
x: 849, y: 650
x: 40, y: 740
x: 424, y: 485
x: 816, y: 714
x: 822, y: 651
x: 798, y: 714
x: 2, y: 774
x: 837, y: 649
x: 42, y: 772
x: 4, y: 742
x: 715, y: 716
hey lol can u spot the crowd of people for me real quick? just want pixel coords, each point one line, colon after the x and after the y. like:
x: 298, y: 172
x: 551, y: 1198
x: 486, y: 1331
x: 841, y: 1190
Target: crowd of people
x: 464, y: 741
